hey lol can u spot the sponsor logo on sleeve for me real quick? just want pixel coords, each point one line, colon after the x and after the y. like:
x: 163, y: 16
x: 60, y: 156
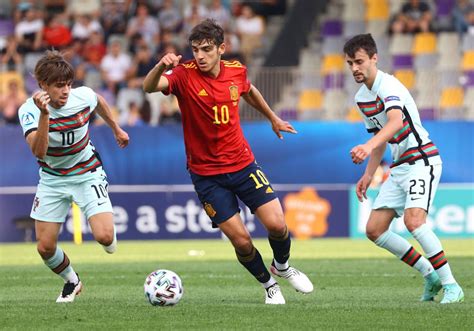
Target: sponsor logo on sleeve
x: 391, y: 98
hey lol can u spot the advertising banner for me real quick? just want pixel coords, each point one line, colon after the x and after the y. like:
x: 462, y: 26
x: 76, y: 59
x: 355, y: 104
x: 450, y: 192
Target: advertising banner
x: 151, y: 212
x: 451, y: 214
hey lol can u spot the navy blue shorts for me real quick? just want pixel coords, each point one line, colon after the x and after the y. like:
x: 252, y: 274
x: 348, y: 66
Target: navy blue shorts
x: 218, y: 194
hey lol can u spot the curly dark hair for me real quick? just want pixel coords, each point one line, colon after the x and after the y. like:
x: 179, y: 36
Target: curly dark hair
x: 361, y: 41
x: 207, y: 30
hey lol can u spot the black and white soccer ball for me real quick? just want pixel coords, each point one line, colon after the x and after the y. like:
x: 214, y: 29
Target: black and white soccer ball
x: 163, y: 288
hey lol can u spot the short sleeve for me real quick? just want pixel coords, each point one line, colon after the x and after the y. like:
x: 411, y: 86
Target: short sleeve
x: 91, y: 96
x: 392, y: 96
x: 246, y: 82
x: 368, y: 124
x: 88, y: 95
x: 371, y: 128
x: 175, y: 77
x: 28, y: 115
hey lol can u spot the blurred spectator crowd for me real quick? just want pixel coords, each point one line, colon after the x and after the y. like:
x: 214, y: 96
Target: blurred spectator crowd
x: 112, y: 45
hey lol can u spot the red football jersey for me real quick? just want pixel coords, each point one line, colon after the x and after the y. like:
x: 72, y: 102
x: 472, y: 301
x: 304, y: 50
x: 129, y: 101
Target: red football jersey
x: 209, y: 106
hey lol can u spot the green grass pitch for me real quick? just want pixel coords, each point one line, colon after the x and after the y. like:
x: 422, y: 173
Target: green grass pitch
x: 358, y: 286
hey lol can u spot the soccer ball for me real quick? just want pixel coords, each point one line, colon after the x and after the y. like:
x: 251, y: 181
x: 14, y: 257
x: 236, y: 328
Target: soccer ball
x: 163, y: 288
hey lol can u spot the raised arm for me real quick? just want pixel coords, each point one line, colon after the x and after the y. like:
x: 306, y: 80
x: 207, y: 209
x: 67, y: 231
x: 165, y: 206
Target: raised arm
x: 38, y: 140
x: 256, y: 100
x: 104, y: 111
x: 154, y: 81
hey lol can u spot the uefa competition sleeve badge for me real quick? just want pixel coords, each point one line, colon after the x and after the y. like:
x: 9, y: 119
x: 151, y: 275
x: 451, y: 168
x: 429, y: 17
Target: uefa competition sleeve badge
x: 27, y: 118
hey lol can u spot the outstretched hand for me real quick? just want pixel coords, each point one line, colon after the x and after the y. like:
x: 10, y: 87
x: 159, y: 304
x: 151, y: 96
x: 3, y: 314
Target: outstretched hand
x: 279, y: 125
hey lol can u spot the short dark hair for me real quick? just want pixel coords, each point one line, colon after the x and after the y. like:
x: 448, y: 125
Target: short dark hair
x: 361, y: 41
x: 53, y: 68
x: 207, y: 30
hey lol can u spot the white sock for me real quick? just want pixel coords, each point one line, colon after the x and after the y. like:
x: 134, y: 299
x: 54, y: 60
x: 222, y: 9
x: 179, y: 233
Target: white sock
x: 270, y: 282
x: 69, y: 275
x: 281, y: 266
x: 61, y: 261
x: 434, y: 250
x: 402, y: 249
x: 113, y: 246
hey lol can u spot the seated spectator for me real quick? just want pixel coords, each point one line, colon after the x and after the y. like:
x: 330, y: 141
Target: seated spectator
x: 168, y: 42
x: 113, y: 18
x: 267, y: 8
x: 84, y: 26
x: 169, y: 113
x: 10, y: 59
x: 415, y: 17
x: 232, y: 48
x: 54, y: 6
x: 11, y: 101
x: 55, y: 33
x: 134, y: 117
x: 193, y: 8
x: 143, y: 63
x: 463, y: 16
x: 29, y: 31
x: 114, y: 67
x: 94, y: 49
x: 249, y: 28
x: 219, y: 13
x: 84, y: 7
x: 145, y: 25
x: 169, y: 17
x: 189, y: 22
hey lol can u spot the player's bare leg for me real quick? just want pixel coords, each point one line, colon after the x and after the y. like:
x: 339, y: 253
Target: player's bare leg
x: 103, y: 229
x: 55, y: 258
x: 250, y: 258
x: 271, y: 216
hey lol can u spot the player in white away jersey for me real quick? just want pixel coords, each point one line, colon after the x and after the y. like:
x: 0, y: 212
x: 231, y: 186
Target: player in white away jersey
x: 55, y: 122
x: 389, y: 111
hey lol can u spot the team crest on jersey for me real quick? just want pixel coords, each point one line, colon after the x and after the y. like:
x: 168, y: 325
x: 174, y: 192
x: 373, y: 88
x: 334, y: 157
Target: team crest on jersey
x: 209, y: 210
x: 80, y: 119
x: 234, y: 92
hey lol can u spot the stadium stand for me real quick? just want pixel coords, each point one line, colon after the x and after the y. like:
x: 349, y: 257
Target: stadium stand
x: 437, y: 66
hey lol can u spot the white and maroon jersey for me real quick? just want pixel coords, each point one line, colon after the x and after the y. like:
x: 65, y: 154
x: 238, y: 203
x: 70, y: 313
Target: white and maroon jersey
x: 412, y: 143
x: 70, y: 151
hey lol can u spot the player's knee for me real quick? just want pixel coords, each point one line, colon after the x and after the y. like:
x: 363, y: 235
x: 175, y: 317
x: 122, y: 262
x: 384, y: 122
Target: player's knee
x: 277, y: 230
x: 46, y: 250
x: 276, y: 225
x: 414, y: 218
x: 105, y: 238
x: 373, y: 232
x: 413, y: 223
x: 243, y: 246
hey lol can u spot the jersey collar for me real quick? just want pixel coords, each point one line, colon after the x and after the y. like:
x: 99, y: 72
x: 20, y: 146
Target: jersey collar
x: 377, y: 82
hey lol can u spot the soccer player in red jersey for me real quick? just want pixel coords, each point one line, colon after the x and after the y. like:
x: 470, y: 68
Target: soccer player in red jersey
x: 219, y: 159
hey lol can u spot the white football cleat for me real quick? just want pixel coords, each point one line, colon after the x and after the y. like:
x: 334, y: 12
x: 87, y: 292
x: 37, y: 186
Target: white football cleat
x: 273, y: 295
x: 70, y: 290
x: 297, y: 279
